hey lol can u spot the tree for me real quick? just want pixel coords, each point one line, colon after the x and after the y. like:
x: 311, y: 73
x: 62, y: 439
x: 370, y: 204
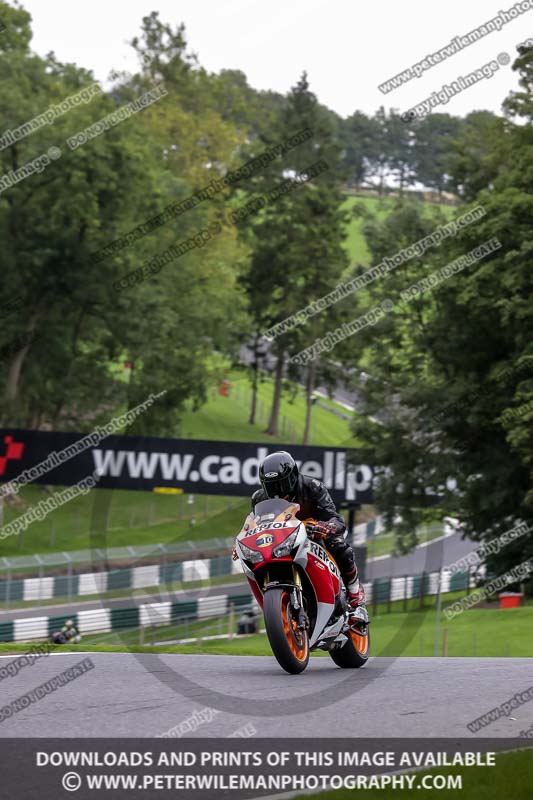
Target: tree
x: 399, y: 139
x: 73, y: 329
x: 432, y: 148
x: 479, y: 154
x: 378, y: 155
x: 47, y: 222
x: 390, y: 149
x: 296, y: 241
x: 357, y: 135
x: 452, y: 370
x: 252, y: 111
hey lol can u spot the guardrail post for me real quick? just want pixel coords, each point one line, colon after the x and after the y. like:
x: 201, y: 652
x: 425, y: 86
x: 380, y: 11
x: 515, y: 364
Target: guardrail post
x: 231, y: 621
x: 8, y: 588
x: 422, y: 587
x: 439, y: 611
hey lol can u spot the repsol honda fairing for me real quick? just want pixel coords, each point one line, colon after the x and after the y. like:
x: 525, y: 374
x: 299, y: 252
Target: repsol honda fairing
x: 299, y: 587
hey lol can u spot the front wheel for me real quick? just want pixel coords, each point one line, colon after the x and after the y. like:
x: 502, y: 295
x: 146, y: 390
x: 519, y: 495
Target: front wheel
x: 355, y: 652
x: 289, y: 645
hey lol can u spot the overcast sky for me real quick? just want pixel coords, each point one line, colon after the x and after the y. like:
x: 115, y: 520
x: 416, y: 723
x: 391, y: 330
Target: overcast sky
x: 347, y: 47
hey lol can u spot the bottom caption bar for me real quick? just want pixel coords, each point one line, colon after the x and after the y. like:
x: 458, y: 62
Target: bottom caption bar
x: 204, y: 768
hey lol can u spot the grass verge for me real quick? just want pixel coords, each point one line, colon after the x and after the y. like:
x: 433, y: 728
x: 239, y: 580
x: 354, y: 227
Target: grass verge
x: 511, y: 777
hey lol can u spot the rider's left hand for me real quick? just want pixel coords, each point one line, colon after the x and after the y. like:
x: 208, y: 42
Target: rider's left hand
x: 320, y: 529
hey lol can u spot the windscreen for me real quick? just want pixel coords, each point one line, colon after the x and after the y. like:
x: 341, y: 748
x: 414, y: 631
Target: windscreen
x: 270, y: 509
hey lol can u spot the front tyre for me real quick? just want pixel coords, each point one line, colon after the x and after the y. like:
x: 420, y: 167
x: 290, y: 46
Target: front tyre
x: 355, y: 652
x: 289, y: 645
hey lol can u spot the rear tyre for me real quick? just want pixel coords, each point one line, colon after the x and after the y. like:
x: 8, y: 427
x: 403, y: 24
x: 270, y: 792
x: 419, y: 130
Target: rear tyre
x: 355, y: 652
x: 289, y: 645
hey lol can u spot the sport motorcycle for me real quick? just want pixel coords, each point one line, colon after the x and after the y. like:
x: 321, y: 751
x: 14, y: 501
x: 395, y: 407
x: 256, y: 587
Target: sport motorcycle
x: 298, y: 585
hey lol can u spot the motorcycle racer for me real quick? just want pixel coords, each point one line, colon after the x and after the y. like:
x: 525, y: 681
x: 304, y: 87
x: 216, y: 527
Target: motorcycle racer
x: 279, y: 477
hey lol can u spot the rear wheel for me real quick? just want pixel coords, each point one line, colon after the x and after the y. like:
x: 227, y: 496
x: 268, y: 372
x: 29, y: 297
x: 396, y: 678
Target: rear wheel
x: 355, y: 652
x: 289, y: 645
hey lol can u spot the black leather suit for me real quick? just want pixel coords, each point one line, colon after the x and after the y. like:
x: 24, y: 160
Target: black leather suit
x: 315, y: 502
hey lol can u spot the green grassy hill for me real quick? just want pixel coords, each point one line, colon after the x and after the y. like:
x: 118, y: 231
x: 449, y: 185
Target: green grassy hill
x: 380, y: 207
x: 227, y: 417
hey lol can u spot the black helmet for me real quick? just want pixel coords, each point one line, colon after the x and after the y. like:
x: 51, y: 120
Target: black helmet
x: 279, y: 475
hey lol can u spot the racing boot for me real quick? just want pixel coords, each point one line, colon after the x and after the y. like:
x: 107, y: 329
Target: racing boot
x: 344, y: 555
x: 357, y: 600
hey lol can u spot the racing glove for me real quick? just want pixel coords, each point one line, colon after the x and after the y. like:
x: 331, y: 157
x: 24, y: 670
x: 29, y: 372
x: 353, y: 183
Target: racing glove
x: 320, y: 530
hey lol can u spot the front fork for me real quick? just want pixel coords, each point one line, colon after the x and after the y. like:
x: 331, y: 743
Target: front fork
x: 297, y: 604
x: 297, y: 601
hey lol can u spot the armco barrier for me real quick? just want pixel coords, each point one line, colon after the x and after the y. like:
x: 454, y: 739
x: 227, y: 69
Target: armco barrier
x: 99, y: 583
x: 145, y: 577
x: 181, y: 550
x: 102, y: 620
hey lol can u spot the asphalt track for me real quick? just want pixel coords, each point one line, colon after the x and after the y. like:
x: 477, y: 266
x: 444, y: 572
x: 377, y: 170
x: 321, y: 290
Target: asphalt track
x: 429, y: 557
x: 145, y: 695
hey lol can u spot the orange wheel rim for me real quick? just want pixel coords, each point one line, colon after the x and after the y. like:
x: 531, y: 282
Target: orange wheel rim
x: 296, y: 639
x: 359, y: 641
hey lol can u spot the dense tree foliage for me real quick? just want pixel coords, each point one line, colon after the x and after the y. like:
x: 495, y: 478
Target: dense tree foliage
x: 451, y: 371
x: 448, y: 389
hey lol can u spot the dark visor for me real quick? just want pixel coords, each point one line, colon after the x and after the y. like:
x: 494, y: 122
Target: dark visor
x: 279, y: 487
